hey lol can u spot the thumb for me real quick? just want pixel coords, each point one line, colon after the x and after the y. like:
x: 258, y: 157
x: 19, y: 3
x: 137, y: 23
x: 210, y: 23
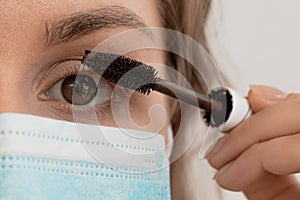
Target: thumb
x: 260, y: 97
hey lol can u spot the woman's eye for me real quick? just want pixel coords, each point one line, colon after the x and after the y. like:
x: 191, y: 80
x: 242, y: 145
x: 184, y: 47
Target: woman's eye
x: 81, y: 90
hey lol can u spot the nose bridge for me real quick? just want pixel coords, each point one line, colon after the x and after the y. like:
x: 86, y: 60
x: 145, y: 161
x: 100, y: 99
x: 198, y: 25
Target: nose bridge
x: 15, y: 83
x: 11, y: 89
x: 19, y: 35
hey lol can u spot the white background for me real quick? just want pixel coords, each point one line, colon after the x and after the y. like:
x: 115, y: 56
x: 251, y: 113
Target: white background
x: 257, y: 42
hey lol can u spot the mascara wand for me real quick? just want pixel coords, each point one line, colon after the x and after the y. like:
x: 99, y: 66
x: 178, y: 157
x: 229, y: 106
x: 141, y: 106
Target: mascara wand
x: 222, y: 106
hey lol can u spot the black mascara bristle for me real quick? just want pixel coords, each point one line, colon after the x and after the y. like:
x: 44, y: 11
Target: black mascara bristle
x: 123, y: 71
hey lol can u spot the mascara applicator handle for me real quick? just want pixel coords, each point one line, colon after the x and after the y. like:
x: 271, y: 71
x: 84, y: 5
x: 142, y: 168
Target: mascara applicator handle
x: 240, y: 110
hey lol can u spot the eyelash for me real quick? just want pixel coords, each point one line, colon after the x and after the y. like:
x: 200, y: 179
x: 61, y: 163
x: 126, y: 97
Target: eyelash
x: 101, y: 109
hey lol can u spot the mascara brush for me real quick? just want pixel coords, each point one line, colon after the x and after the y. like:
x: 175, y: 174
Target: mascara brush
x: 222, y: 106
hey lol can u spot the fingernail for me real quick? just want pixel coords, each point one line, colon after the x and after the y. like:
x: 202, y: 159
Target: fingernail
x: 270, y: 93
x: 217, y: 147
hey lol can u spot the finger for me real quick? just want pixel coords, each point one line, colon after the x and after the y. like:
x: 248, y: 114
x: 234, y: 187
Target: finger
x: 260, y: 97
x: 278, y: 157
x: 272, y: 122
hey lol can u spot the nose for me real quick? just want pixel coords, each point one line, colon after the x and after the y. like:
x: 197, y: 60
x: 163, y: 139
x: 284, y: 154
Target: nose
x: 14, y: 94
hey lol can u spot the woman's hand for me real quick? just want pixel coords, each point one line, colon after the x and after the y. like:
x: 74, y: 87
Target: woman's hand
x: 260, y: 156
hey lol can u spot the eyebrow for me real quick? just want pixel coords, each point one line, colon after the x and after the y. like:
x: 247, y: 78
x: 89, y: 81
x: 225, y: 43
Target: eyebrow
x: 80, y: 24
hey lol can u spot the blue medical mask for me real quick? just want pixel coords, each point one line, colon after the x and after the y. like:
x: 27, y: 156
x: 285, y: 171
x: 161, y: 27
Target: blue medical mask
x: 42, y: 158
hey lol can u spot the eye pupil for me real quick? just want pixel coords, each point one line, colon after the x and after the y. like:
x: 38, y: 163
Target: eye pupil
x: 78, y: 87
x: 79, y: 90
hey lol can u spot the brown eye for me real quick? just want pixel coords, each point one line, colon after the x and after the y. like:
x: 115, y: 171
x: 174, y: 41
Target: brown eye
x: 79, y: 90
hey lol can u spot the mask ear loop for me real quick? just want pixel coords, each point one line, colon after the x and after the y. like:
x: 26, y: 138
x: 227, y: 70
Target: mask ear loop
x: 170, y: 142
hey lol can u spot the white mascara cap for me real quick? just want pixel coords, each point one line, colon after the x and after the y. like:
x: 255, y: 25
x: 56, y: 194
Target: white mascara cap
x: 240, y: 110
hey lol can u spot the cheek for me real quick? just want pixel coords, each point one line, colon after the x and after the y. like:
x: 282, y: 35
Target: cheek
x: 152, y: 113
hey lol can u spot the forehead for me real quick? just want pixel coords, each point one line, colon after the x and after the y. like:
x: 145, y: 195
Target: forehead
x: 18, y: 11
x: 44, y: 9
x: 24, y: 23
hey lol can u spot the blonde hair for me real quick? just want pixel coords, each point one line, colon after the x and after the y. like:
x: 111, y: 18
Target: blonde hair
x: 191, y: 178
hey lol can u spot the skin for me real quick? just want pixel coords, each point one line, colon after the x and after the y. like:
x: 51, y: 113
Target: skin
x: 27, y: 71
x: 260, y: 156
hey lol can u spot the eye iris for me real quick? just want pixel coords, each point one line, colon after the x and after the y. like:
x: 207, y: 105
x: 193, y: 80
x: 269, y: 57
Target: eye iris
x: 79, y: 90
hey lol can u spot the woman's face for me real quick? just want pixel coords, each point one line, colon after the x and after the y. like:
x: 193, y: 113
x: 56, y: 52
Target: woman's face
x: 42, y: 42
